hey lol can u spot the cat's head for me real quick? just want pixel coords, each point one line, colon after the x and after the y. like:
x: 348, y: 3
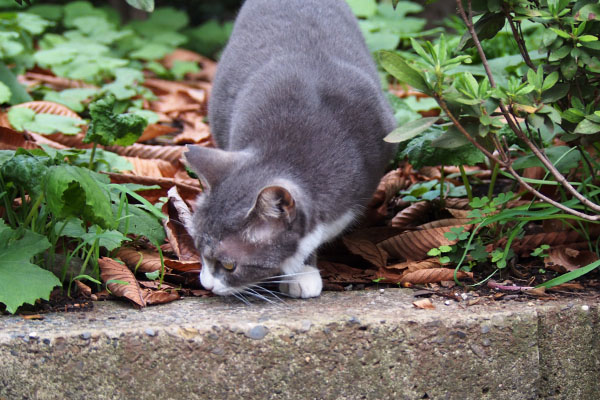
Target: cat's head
x: 247, y: 222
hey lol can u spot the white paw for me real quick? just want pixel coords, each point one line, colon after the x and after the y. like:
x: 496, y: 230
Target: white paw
x: 306, y: 284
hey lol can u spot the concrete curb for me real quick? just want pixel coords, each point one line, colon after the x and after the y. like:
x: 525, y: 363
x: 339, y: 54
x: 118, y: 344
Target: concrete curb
x: 352, y: 345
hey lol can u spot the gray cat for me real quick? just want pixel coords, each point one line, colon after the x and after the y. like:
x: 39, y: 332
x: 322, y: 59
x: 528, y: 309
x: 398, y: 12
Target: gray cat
x: 299, y: 116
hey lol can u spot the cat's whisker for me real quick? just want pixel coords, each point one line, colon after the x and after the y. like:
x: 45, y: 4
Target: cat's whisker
x: 240, y: 296
x: 271, y: 292
x: 290, y: 275
x: 254, y: 293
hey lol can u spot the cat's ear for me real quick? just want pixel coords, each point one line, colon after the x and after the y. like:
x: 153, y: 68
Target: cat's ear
x: 275, y: 202
x: 212, y: 164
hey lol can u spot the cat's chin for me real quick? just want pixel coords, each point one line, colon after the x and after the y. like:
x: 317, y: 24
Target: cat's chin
x: 307, y: 283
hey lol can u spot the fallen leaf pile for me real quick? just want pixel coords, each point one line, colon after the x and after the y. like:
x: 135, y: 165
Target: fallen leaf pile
x: 389, y: 246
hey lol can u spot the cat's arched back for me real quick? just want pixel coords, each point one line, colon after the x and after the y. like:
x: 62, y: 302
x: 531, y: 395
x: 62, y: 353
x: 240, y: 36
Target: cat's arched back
x: 300, y: 117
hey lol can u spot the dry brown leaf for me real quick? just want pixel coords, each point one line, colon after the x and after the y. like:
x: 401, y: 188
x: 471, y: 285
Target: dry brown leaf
x: 411, y: 266
x: 84, y: 289
x: 414, y: 245
x: 152, y: 168
x: 159, y: 296
x: 168, y: 153
x: 457, y: 213
x: 112, y: 270
x: 432, y: 275
x: 11, y: 139
x: 178, y: 102
x: 440, y: 223
x: 187, y: 191
x: 183, y: 266
x: 344, y: 274
x: 457, y: 203
x: 71, y: 140
x: 34, y: 317
x: 49, y: 107
x: 155, y: 130
x: 194, y: 131
x: 180, y: 216
x: 412, y: 215
x: 568, y: 258
x: 388, y: 187
x: 131, y: 257
x: 58, y: 83
x: 367, y: 250
x: 425, y: 304
x: 528, y: 243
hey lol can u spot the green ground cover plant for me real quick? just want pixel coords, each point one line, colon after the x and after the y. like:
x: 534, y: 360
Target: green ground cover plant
x: 57, y: 207
x: 518, y: 88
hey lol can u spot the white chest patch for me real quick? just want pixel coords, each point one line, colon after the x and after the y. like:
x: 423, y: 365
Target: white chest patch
x: 308, y: 244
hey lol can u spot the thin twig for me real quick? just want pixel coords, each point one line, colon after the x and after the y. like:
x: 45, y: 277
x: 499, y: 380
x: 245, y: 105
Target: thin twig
x: 462, y: 130
x: 518, y: 38
x: 539, y: 154
x: 548, y: 200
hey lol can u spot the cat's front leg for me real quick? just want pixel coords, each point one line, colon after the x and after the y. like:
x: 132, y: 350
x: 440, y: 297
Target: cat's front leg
x: 305, y: 283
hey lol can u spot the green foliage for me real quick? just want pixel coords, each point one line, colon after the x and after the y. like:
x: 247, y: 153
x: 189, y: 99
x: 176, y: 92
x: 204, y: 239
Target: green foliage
x: 110, y: 128
x: 527, y: 97
x: 20, y: 280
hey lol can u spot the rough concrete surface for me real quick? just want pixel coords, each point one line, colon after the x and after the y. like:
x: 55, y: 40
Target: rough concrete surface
x: 351, y: 345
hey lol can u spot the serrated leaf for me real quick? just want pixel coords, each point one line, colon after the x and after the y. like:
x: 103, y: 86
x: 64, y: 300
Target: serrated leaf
x: 108, y: 128
x: 399, y: 69
x: 77, y: 192
x: 410, y: 130
x: 20, y: 280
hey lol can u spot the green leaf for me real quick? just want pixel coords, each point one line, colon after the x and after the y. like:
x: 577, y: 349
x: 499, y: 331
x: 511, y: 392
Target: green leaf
x: 152, y: 51
x: 410, y: 130
x: 25, y: 171
x: 587, y: 127
x: 5, y: 93
x: 486, y: 27
x: 569, y: 276
x: 181, y: 68
x: 589, y: 12
x: 145, y: 5
x: 139, y: 222
x: 363, y: 8
x: 108, y: 128
x: 550, y: 81
x: 18, y: 93
x: 50, y: 123
x: 399, y: 69
x: 109, y: 239
x: 20, y: 280
x: 72, y: 98
x: 567, y: 160
x: 78, y: 192
x: 560, y: 33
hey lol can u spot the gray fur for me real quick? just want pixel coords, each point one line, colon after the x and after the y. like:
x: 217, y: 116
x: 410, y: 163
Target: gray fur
x: 296, y: 103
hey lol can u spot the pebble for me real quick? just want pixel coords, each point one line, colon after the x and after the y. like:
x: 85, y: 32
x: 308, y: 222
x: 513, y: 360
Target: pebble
x: 85, y: 336
x: 447, y: 302
x: 464, y: 296
x: 150, y: 332
x: 33, y: 335
x: 305, y: 325
x: 381, y: 291
x: 485, y: 328
x: 585, y: 307
x: 258, y: 332
x: 353, y: 320
x: 486, y: 342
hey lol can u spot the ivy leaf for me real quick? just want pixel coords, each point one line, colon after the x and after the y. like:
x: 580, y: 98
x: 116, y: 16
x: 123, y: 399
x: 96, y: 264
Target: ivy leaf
x: 410, y: 130
x: 78, y: 192
x: 20, y: 280
x: 108, y: 128
x: 72, y: 98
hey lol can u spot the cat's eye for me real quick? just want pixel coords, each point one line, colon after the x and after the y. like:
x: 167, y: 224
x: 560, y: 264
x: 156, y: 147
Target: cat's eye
x: 228, y: 266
